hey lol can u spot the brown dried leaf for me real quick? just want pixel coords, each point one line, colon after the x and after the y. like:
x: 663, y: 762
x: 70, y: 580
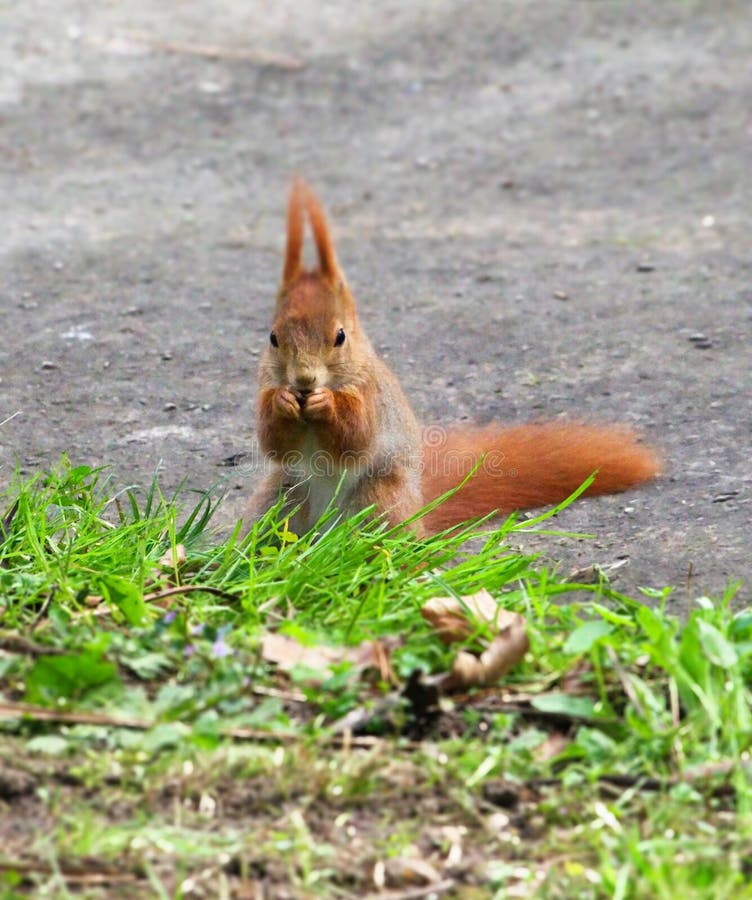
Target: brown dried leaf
x: 173, y: 557
x: 406, y: 871
x: 455, y: 620
x: 169, y: 568
x: 552, y: 746
x: 504, y: 652
x: 578, y: 679
x: 287, y: 654
x: 453, y: 835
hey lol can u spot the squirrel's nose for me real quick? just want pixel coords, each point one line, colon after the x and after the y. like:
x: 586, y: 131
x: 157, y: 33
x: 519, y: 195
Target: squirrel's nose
x: 305, y: 381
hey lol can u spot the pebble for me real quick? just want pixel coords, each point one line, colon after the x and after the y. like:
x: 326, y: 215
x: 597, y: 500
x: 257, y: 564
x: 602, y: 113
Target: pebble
x: 170, y: 407
x: 725, y: 497
x: 700, y: 340
x: 210, y: 87
x: 234, y: 459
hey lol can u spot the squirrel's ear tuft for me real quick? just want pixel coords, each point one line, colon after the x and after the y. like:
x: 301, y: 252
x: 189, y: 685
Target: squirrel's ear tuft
x: 321, y: 235
x: 295, y: 225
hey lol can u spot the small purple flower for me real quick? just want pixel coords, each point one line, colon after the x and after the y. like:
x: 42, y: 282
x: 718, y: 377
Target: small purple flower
x: 197, y: 629
x: 189, y: 650
x: 169, y: 617
x: 220, y: 649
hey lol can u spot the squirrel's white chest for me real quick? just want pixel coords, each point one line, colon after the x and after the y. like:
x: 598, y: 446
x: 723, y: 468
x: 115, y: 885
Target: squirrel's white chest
x: 322, y: 481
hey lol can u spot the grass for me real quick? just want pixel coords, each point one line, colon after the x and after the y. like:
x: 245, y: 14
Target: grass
x: 149, y: 747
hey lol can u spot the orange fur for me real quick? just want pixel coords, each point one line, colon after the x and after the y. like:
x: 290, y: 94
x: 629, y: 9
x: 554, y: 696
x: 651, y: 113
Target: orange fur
x: 391, y: 495
x: 320, y: 394
x: 277, y: 435
x: 294, y: 245
x: 527, y: 466
x: 349, y: 430
x: 321, y: 235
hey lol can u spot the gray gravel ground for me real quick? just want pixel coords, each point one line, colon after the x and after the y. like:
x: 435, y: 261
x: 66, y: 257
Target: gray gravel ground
x: 544, y: 210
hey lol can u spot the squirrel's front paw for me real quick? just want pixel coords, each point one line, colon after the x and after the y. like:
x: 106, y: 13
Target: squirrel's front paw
x: 287, y: 404
x: 319, y: 405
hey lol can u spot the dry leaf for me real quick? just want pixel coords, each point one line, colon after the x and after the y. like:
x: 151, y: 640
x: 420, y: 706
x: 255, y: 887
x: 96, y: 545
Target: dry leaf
x: 173, y: 557
x: 456, y: 620
x: 578, y: 679
x: 287, y: 654
x: 453, y: 835
x: 551, y: 747
x: 169, y: 568
x: 401, y: 872
x: 504, y: 652
x: 453, y: 620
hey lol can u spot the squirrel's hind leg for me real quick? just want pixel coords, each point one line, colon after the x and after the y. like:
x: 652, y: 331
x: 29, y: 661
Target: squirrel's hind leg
x: 263, y: 498
x: 395, y: 498
x: 267, y: 494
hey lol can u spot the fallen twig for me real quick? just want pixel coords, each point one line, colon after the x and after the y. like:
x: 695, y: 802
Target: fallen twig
x: 415, y: 893
x: 14, y: 643
x: 8, y: 519
x: 288, y: 696
x: 155, y: 596
x: 692, y: 775
x: 10, y: 710
x: 43, y: 609
x: 71, y: 875
x: 187, y: 589
x: 213, y: 51
x: 18, y: 412
x: 625, y: 680
x: 523, y: 707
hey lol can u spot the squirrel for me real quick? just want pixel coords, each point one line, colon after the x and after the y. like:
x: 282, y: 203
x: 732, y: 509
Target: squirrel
x: 337, y: 429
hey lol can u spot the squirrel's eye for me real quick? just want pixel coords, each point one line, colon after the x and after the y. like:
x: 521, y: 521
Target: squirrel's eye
x: 340, y: 339
x: 273, y: 340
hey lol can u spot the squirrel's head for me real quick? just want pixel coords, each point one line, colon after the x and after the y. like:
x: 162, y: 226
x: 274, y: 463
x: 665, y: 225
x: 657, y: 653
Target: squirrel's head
x: 316, y: 339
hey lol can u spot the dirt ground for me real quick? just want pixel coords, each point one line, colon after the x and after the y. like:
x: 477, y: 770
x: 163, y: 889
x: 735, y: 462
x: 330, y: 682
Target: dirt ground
x: 545, y: 210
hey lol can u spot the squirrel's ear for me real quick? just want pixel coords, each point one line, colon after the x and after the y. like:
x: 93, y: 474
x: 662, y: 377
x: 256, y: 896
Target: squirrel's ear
x: 294, y: 247
x: 321, y: 235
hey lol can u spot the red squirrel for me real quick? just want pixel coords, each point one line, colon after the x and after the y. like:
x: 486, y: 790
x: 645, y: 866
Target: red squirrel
x: 332, y: 420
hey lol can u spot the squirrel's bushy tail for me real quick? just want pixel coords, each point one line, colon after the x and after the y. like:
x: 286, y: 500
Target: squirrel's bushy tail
x: 526, y: 466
